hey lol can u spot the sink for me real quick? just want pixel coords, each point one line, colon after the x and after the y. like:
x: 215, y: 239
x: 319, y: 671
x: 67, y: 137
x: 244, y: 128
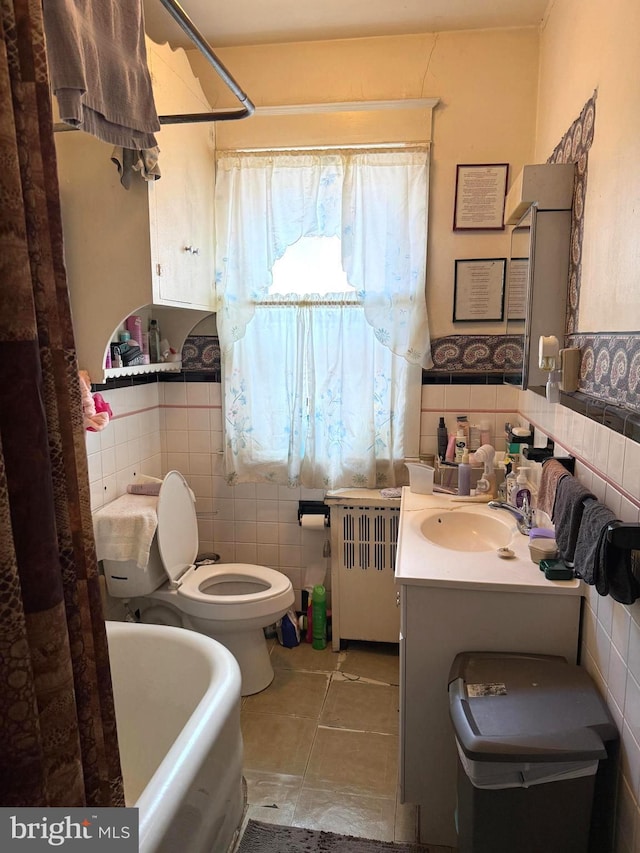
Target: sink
x: 467, y: 531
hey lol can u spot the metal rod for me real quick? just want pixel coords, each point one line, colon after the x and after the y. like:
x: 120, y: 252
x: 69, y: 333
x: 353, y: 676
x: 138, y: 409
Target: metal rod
x: 184, y: 21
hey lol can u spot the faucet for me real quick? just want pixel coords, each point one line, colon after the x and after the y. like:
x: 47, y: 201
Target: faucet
x: 525, y: 515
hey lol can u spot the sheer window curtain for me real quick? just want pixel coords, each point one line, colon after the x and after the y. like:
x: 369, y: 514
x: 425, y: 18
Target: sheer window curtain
x: 315, y: 386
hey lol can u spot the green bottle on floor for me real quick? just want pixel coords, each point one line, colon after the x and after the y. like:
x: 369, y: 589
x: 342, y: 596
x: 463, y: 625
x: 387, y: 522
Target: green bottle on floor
x: 319, y: 617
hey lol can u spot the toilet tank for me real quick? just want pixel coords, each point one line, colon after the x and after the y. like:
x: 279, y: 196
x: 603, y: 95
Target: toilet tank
x: 127, y: 580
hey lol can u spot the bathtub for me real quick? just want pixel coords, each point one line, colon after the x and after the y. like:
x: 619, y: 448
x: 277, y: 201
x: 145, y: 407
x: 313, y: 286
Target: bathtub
x: 177, y: 702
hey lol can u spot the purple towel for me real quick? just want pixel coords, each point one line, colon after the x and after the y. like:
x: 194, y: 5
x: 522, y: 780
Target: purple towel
x: 567, y: 515
x: 598, y: 562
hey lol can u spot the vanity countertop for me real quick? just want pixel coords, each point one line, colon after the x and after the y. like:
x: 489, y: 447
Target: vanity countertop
x: 425, y: 563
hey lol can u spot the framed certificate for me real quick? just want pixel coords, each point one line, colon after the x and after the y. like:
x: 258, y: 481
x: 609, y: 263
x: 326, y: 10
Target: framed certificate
x: 480, y: 197
x: 517, y: 282
x: 478, y: 294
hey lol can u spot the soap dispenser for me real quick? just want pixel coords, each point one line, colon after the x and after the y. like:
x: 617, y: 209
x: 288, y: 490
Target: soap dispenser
x: 524, y: 489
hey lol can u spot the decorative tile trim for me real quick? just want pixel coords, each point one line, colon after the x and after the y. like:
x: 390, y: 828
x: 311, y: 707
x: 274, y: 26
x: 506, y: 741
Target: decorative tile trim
x: 610, y: 367
x: 201, y: 352
x: 477, y: 353
x: 574, y: 148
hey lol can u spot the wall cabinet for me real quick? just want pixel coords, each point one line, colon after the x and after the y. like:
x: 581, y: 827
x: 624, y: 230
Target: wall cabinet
x: 539, y: 206
x: 150, y: 245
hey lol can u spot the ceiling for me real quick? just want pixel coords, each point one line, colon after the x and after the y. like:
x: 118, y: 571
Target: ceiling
x: 235, y: 22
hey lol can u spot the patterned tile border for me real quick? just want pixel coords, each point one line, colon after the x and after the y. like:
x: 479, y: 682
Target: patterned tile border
x: 574, y: 148
x: 610, y: 367
x: 201, y: 352
x: 481, y: 353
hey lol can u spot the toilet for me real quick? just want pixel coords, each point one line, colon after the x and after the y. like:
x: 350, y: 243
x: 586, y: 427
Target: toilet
x: 231, y: 602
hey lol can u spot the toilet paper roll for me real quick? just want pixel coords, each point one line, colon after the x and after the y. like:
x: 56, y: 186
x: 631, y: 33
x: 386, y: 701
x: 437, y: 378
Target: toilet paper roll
x: 312, y: 522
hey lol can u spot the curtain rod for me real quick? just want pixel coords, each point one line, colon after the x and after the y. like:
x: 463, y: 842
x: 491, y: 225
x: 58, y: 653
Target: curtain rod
x: 184, y: 21
x: 358, y: 146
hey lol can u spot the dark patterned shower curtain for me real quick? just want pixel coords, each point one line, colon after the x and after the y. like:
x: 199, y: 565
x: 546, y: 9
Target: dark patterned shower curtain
x: 58, y: 743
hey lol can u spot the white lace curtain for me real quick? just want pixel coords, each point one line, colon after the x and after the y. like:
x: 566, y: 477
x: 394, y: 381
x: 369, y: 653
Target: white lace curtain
x: 315, y: 388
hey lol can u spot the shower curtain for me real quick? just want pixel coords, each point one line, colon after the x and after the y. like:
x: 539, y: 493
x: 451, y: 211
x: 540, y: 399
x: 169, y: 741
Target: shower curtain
x: 58, y: 743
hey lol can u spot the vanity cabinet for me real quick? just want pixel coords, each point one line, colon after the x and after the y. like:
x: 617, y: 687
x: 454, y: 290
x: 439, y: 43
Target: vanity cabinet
x: 454, y: 600
x: 150, y: 245
x: 539, y: 207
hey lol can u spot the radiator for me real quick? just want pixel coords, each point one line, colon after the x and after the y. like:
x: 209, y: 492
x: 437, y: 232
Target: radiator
x: 363, y: 559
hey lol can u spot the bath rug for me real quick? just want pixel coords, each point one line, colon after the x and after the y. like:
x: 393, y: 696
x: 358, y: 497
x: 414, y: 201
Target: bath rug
x: 271, y: 838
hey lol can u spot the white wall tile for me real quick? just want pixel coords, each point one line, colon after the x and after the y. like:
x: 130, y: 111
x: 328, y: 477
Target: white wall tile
x: 483, y: 397
x: 457, y: 399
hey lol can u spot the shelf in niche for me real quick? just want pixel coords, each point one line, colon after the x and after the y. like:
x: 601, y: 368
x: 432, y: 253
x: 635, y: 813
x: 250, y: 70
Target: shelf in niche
x: 138, y: 369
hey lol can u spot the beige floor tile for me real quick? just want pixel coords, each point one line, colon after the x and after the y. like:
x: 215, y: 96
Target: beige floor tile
x: 276, y: 743
x: 304, y: 657
x: 300, y: 694
x: 376, y: 661
x: 363, y: 816
x: 272, y: 797
x: 353, y: 762
x: 360, y: 705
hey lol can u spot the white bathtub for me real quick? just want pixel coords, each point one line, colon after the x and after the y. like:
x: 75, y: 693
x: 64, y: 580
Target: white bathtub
x: 177, y: 702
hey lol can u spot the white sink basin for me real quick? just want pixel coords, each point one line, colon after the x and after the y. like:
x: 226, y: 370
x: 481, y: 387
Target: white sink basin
x: 468, y: 531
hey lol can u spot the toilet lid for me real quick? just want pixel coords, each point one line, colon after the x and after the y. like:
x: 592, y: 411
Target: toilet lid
x: 177, y: 525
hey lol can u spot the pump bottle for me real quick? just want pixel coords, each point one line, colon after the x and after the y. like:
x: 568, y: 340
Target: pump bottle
x: 464, y: 475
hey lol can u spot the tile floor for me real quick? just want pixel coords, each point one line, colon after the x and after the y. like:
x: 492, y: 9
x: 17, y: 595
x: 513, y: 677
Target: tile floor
x: 321, y: 743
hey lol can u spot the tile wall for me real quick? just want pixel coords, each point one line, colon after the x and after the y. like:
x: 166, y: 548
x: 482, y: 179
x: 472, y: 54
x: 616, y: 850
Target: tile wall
x: 161, y: 426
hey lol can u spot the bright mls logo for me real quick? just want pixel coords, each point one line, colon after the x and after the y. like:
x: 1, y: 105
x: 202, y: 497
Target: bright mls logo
x: 87, y: 829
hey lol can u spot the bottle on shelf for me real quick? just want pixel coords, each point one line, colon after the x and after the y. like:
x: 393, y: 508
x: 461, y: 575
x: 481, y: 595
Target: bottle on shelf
x: 443, y: 439
x: 154, y: 342
x: 461, y: 444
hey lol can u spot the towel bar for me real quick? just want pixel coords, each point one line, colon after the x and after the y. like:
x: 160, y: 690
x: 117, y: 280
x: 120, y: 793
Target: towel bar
x: 624, y: 534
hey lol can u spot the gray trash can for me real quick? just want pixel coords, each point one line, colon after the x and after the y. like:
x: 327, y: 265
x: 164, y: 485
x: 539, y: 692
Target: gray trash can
x: 537, y: 752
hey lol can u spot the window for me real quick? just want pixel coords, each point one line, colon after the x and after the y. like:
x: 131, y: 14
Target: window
x: 321, y: 314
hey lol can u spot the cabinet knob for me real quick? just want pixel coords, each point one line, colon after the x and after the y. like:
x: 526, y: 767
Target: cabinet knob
x: 191, y: 250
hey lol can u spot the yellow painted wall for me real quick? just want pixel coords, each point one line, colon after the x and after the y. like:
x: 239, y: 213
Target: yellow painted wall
x: 586, y: 47
x: 487, y: 84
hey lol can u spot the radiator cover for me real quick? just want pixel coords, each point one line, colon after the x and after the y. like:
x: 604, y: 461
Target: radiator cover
x: 363, y: 559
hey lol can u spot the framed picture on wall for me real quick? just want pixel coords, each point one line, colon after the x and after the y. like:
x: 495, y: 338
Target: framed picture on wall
x: 480, y: 197
x: 478, y: 294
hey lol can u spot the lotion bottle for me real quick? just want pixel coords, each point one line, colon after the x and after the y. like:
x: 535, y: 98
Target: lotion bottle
x: 464, y: 475
x: 461, y: 444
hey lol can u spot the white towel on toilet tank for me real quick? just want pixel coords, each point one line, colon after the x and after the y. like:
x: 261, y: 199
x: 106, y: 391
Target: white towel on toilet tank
x: 124, y: 529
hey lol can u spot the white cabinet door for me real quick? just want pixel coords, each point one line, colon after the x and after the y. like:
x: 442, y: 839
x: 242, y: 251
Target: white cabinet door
x: 182, y: 217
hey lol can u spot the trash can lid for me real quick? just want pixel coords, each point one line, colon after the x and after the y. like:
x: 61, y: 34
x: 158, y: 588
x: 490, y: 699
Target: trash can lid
x: 534, y: 708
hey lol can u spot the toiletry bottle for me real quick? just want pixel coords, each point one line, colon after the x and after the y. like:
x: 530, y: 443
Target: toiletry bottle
x: 463, y: 424
x: 443, y: 439
x: 524, y: 488
x: 474, y: 437
x: 461, y: 444
x: 319, y: 615
x: 510, y: 486
x: 464, y: 474
x: 451, y: 449
x: 154, y: 341
x: 485, y: 433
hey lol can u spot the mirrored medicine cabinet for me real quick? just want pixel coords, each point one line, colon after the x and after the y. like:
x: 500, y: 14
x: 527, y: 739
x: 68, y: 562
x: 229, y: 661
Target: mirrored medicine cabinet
x: 538, y: 208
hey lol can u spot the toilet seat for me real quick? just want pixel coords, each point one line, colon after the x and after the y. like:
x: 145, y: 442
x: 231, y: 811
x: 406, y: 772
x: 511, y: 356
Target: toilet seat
x: 211, y: 591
